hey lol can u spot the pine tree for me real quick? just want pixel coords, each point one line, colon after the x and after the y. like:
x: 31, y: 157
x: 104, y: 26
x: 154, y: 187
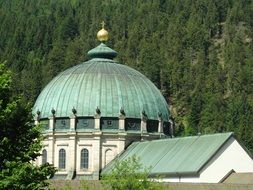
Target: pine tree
x: 19, y: 142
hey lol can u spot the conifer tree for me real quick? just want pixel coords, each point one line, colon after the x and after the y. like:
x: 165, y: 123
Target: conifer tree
x: 19, y: 142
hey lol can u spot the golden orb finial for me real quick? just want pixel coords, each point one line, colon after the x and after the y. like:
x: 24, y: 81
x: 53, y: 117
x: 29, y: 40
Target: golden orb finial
x: 102, y: 34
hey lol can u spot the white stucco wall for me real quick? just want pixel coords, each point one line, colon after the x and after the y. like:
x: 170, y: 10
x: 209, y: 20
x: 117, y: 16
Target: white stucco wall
x: 231, y: 157
x: 103, y: 147
x: 182, y: 179
x: 81, y: 144
x: 61, y: 143
x: 97, y: 145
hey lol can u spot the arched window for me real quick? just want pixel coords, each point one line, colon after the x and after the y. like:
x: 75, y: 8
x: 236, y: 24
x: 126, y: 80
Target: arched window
x: 62, y: 159
x: 84, y: 159
x: 109, y: 155
x: 44, y: 156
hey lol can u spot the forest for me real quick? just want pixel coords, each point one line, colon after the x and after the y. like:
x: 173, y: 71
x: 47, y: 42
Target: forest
x: 199, y: 53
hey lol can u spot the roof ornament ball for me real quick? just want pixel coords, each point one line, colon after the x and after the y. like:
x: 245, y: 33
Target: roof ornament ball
x: 102, y: 34
x: 143, y: 113
x: 74, y: 110
x: 38, y: 115
x: 122, y: 111
x: 98, y: 111
x: 160, y: 114
x: 53, y: 111
x: 38, y: 112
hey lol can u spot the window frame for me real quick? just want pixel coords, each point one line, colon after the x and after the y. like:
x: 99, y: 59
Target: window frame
x: 62, y: 159
x: 84, y: 159
x: 44, y: 156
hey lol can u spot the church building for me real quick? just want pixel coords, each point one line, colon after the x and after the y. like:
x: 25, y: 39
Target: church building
x: 102, y: 110
x: 93, y: 111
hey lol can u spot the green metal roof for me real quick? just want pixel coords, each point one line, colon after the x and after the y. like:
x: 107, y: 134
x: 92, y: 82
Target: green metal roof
x: 186, y: 155
x: 102, y: 51
x: 104, y: 83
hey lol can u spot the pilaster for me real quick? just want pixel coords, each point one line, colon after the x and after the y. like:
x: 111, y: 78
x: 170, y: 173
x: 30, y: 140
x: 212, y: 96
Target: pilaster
x: 51, y: 123
x: 37, y: 118
x: 122, y: 123
x: 51, y: 138
x: 160, y: 125
x: 73, y: 123
x: 72, y: 155
x: 50, y: 153
x: 97, y: 117
x: 97, y: 123
x: 97, y: 157
x: 171, y: 127
x: 121, y: 144
x: 144, y: 119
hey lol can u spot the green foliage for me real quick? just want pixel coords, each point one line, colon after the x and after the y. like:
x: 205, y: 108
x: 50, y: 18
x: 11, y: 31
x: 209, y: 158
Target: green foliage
x: 19, y: 142
x: 66, y: 187
x: 129, y: 175
x: 85, y: 186
x: 198, y: 53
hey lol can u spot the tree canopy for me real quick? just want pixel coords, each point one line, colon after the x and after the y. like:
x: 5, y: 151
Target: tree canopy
x: 129, y: 174
x: 19, y: 142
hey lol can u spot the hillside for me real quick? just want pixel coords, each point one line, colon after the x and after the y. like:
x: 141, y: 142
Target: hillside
x: 198, y: 53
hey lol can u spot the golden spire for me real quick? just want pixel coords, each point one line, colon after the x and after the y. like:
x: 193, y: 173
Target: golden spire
x: 102, y: 34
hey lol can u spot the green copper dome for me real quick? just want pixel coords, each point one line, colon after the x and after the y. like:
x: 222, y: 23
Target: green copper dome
x: 101, y: 83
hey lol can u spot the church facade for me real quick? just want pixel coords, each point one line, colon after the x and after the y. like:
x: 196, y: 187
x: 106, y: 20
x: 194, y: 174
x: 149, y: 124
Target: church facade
x: 91, y: 112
